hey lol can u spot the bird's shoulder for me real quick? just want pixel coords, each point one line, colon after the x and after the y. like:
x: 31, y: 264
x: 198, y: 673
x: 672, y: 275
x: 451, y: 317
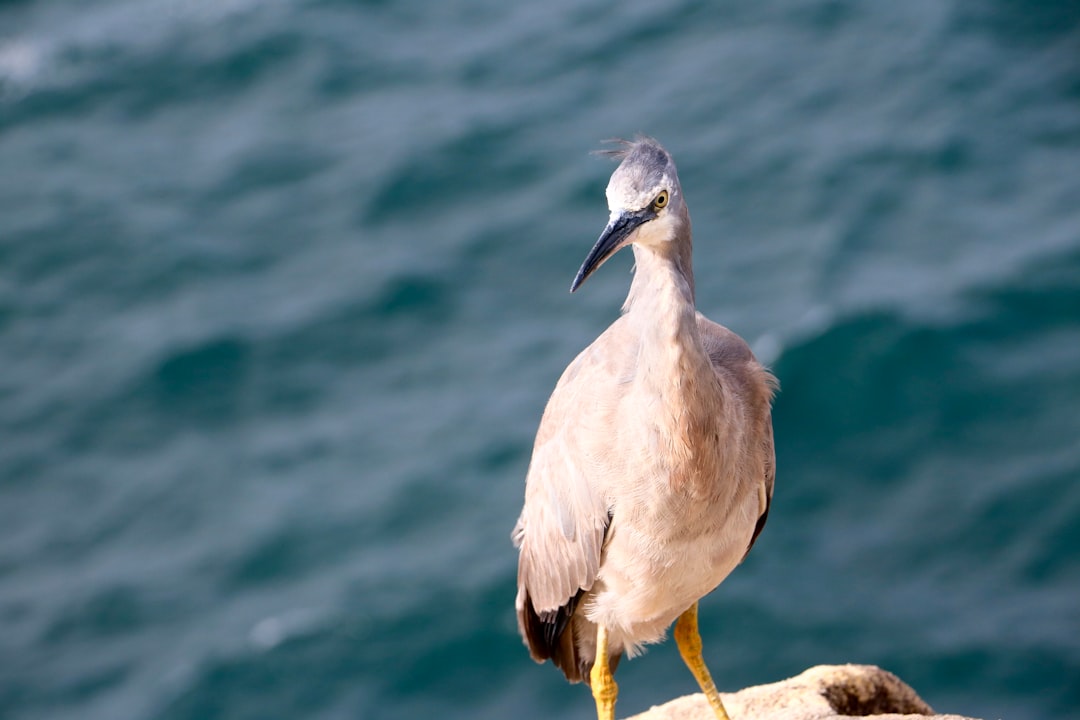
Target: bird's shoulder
x: 614, y: 352
x: 724, y: 346
x: 587, y: 384
x: 732, y: 358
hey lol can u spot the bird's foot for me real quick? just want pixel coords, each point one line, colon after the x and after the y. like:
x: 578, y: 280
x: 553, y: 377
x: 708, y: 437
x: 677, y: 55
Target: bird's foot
x: 688, y: 639
x: 601, y: 679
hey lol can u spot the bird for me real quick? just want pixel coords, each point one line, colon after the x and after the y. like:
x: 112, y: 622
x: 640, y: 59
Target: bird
x: 653, y: 467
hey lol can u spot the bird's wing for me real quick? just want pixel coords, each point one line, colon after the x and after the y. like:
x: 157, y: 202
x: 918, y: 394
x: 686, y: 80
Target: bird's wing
x: 565, y: 517
x: 766, y: 490
x: 734, y: 362
x: 561, y: 530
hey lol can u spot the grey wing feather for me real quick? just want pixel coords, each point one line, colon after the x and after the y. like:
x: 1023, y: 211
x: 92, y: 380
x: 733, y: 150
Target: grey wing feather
x: 561, y: 529
x: 563, y: 524
x: 766, y: 491
x: 733, y: 361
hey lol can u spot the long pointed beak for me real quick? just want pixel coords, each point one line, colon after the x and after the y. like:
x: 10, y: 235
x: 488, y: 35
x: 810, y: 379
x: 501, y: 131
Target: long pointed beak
x: 615, y: 236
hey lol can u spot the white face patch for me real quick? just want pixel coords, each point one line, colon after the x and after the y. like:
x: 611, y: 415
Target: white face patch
x: 656, y: 231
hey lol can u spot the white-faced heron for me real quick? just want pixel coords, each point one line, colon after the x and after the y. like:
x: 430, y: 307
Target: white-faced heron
x: 653, y: 467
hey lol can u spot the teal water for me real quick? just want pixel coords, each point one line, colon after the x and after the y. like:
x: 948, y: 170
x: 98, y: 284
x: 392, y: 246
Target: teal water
x: 283, y: 290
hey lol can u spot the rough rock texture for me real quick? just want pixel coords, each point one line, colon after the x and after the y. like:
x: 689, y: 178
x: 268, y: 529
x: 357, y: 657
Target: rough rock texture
x: 825, y: 692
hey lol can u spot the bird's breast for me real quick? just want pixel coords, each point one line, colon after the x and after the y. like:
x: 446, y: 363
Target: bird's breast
x: 664, y: 553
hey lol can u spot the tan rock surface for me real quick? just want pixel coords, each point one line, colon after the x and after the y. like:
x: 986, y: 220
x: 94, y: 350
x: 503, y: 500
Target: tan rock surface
x: 825, y: 692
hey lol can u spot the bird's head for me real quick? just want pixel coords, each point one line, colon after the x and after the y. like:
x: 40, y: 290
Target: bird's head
x: 645, y: 200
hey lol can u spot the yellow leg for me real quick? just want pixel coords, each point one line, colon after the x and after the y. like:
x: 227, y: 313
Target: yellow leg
x: 604, y: 689
x: 689, y: 641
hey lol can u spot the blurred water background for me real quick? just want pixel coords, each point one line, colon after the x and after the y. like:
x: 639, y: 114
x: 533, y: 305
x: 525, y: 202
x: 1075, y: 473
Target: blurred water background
x: 283, y: 290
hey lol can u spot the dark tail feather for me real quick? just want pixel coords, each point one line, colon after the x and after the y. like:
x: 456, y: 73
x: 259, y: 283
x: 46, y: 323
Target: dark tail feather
x: 576, y: 659
x: 553, y: 636
x: 567, y: 658
x: 550, y: 636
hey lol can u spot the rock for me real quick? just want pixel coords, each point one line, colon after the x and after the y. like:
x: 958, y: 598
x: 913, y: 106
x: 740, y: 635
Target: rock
x: 825, y: 692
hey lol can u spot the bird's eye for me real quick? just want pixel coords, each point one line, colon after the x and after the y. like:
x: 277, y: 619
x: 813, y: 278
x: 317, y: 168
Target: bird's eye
x: 661, y: 200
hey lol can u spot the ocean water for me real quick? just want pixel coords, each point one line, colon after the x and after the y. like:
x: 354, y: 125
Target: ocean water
x: 283, y: 290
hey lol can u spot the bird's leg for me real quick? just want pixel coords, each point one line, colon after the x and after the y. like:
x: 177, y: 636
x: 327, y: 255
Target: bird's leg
x: 604, y: 689
x: 688, y: 639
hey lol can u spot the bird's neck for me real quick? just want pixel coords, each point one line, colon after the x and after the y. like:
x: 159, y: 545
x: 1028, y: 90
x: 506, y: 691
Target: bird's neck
x: 661, y: 308
x: 663, y: 282
x: 673, y: 373
x: 658, y: 268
